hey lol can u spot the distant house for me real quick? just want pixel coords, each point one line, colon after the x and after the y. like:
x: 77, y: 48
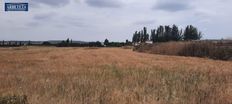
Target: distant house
x: 136, y: 44
x: 149, y: 42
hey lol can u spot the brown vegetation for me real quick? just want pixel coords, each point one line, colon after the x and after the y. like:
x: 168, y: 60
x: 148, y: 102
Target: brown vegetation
x: 112, y: 76
x: 221, y: 51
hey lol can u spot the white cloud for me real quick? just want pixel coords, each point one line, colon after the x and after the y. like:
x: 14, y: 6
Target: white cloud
x: 172, y: 5
x: 49, y: 2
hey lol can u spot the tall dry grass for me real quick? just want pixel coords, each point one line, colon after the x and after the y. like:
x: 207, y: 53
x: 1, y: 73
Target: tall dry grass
x: 165, y: 48
x: 112, y: 76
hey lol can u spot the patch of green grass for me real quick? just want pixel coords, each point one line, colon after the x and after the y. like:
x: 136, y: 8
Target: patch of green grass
x: 13, y: 100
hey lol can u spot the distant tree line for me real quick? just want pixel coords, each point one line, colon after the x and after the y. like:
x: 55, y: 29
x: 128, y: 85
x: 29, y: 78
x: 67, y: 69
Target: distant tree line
x: 11, y: 43
x: 167, y: 33
x: 69, y: 43
x: 106, y: 43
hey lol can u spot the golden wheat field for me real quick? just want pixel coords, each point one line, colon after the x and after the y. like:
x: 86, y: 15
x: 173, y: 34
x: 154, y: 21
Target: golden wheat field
x: 49, y: 75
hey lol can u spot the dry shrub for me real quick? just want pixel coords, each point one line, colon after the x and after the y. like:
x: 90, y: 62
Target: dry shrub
x: 222, y: 53
x: 170, y: 48
x: 206, y: 49
x: 194, y: 49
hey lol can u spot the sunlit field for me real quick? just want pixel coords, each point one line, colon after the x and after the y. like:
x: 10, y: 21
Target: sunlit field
x: 49, y: 75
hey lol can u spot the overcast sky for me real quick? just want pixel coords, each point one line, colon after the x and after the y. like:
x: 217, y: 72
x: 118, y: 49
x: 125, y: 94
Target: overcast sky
x: 92, y: 20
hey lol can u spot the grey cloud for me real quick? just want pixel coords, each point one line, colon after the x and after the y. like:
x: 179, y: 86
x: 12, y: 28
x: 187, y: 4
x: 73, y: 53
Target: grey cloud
x: 145, y: 22
x: 32, y: 24
x: 40, y: 19
x: 172, y: 5
x: 36, y: 3
x: 104, y: 3
x: 45, y: 16
x: 65, y: 21
x: 73, y: 22
x: 77, y: 23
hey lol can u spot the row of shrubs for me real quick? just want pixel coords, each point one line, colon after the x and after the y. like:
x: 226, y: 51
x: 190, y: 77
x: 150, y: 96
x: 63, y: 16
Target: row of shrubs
x: 193, y: 48
x: 207, y: 49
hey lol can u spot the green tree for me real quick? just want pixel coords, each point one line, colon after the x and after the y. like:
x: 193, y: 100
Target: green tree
x: 139, y: 39
x: 106, y: 42
x: 154, y: 36
x: 160, y: 34
x: 29, y: 42
x: 145, y: 35
x: 176, y: 34
x: 98, y: 44
x: 136, y: 37
x: 191, y: 33
x: 67, y: 41
x: 167, y: 33
x: 127, y: 42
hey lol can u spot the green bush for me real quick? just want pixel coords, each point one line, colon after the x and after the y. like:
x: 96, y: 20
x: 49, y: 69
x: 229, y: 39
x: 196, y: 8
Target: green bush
x: 13, y: 100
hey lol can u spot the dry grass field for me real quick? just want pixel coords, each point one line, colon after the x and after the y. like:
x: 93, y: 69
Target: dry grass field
x: 49, y: 75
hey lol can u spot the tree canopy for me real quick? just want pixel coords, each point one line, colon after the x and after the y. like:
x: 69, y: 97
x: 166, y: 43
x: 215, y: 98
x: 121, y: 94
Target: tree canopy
x: 167, y: 33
